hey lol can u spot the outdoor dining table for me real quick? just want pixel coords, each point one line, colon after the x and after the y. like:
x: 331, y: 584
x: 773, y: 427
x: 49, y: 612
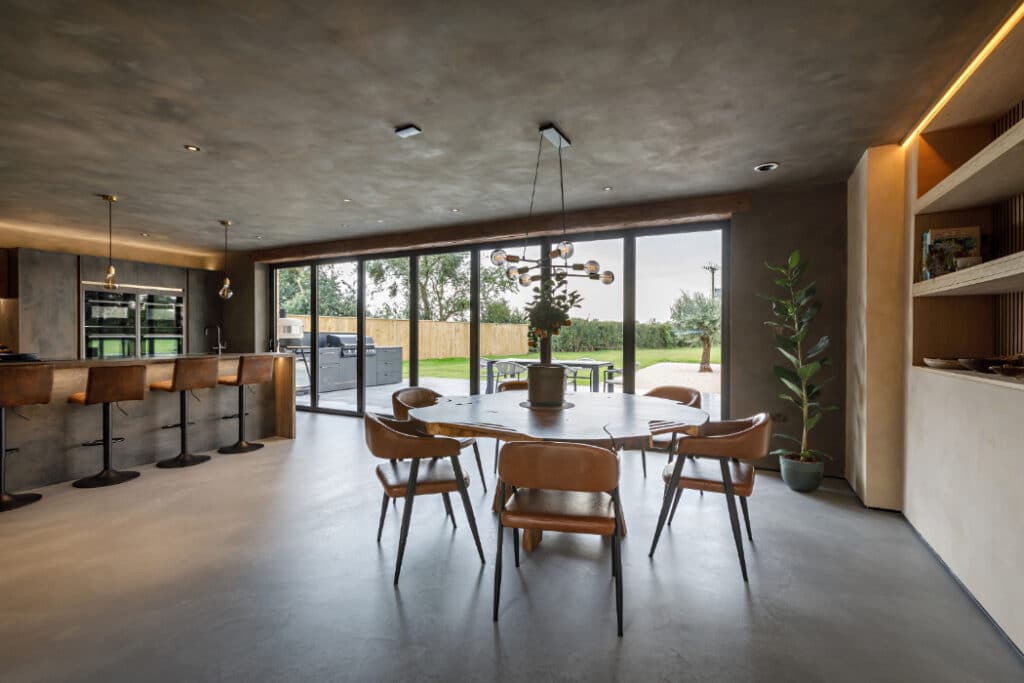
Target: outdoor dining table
x: 594, y: 366
x: 614, y: 421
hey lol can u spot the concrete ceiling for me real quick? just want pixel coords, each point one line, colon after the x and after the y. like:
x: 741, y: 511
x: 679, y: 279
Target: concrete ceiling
x: 293, y: 104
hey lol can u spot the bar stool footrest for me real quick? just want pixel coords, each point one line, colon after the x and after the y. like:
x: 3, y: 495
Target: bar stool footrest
x: 177, y: 425
x: 105, y: 478
x: 233, y: 417
x: 10, y: 450
x: 182, y: 460
x: 99, y: 442
x: 241, y: 447
x: 13, y: 501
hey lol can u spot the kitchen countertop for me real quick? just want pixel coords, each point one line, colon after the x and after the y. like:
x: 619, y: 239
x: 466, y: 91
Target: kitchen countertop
x: 87, y: 363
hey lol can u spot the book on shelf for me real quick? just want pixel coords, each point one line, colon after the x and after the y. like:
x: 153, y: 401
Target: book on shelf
x: 946, y: 250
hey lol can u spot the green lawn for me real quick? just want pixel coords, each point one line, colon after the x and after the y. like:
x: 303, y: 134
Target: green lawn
x: 458, y: 368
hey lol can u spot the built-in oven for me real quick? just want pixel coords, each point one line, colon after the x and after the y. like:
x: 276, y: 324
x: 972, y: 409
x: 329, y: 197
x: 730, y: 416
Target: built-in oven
x: 161, y: 325
x: 110, y: 324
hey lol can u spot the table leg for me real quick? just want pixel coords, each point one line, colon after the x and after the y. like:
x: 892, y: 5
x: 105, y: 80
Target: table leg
x: 594, y: 372
x: 490, y: 377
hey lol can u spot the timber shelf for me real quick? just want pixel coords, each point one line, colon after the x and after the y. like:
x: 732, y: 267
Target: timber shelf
x: 999, y: 276
x: 967, y: 375
x: 993, y: 174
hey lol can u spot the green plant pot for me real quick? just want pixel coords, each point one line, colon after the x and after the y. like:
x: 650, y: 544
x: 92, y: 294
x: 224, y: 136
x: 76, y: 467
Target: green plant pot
x: 800, y: 476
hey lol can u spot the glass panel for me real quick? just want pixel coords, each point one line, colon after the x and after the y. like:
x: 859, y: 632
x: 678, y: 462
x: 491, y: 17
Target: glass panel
x: 595, y: 336
x: 679, y: 312
x: 110, y: 324
x: 387, y: 329
x: 337, y: 352
x: 293, y: 293
x: 503, y: 320
x: 443, y: 291
x: 162, y: 323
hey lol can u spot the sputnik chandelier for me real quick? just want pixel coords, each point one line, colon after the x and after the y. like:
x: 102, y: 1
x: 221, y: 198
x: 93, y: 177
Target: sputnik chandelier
x: 556, y: 262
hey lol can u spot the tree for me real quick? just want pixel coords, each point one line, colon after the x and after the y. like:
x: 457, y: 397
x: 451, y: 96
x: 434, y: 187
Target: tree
x: 335, y: 294
x: 443, y: 287
x: 698, y: 318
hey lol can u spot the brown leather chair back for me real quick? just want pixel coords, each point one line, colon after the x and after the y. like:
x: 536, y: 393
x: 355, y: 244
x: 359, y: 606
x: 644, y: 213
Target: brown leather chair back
x: 255, y: 369
x: 514, y: 385
x: 745, y: 439
x: 194, y: 373
x: 558, y: 466
x: 25, y: 385
x: 395, y: 439
x: 108, y: 384
x: 412, y: 397
x: 685, y: 395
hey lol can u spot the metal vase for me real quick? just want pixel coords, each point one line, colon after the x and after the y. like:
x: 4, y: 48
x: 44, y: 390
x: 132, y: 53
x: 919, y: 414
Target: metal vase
x: 547, y: 385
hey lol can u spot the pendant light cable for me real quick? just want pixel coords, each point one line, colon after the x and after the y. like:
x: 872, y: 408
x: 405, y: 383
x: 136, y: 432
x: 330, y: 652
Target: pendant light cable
x: 533, y: 192
x: 110, y: 233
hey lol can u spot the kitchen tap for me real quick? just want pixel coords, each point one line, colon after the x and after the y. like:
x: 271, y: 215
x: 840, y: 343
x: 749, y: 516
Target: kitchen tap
x: 220, y: 347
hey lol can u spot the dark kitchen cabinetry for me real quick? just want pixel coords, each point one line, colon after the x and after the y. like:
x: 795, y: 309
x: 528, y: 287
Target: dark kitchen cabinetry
x: 46, y: 287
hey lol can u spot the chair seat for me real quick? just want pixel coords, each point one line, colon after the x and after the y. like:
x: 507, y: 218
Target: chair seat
x: 466, y: 442
x: 568, y: 511
x: 77, y: 397
x: 705, y: 474
x: 162, y: 385
x: 434, y: 476
x: 228, y: 379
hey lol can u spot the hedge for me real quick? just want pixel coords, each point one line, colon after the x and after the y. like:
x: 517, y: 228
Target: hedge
x: 595, y: 335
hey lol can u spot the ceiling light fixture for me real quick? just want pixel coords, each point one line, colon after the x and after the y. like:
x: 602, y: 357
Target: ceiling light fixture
x: 143, y: 234
x: 456, y: 210
x: 110, y: 281
x: 407, y: 131
x: 968, y: 71
x: 259, y: 237
x: 192, y: 148
x: 608, y: 188
x: 225, y: 291
x: 767, y: 167
x: 380, y: 220
x: 347, y: 200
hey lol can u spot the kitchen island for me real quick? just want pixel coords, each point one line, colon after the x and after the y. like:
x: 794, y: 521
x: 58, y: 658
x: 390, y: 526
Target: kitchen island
x: 50, y: 437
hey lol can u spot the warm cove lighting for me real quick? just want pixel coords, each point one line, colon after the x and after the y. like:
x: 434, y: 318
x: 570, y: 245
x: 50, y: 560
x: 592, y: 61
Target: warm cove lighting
x: 978, y: 60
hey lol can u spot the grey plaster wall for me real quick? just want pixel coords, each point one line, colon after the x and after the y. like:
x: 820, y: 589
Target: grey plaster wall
x: 812, y: 220
x: 48, y: 304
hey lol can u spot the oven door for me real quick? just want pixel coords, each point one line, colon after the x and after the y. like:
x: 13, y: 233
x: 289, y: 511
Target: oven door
x: 109, y: 325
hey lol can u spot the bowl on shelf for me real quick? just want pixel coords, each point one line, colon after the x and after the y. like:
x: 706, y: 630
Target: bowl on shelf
x: 1012, y: 371
x: 943, y: 363
x: 980, y: 364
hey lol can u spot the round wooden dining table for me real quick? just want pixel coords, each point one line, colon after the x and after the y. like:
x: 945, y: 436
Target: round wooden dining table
x: 613, y: 421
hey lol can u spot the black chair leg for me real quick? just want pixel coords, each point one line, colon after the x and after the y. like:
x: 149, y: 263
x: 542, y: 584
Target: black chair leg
x: 497, y: 447
x: 410, y: 494
x: 675, y: 504
x: 617, y: 555
x: 448, y: 509
x: 643, y: 461
x: 479, y: 465
x: 461, y: 480
x: 730, y: 498
x: 497, y: 563
x: 515, y: 544
x: 666, y: 502
x: 383, y: 513
x: 746, y: 517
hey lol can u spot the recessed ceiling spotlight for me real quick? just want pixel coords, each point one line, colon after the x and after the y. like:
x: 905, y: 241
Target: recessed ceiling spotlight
x: 192, y: 148
x: 608, y: 188
x: 144, y: 234
x: 767, y: 167
x: 259, y: 237
x: 380, y: 220
x: 456, y: 210
x: 347, y: 200
x: 407, y: 131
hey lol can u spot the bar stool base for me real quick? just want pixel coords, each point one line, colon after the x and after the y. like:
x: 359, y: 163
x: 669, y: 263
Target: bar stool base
x: 183, y: 460
x: 105, y: 478
x: 13, y: 501
x: 241, y: 447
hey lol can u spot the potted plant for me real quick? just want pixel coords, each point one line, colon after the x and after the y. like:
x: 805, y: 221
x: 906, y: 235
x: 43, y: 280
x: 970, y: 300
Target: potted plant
x: 549, y: 312
x: 802, y: 466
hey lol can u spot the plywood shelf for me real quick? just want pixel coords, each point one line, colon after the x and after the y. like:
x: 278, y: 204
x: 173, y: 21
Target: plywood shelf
x: 994, y: 173
x: 999, y: 276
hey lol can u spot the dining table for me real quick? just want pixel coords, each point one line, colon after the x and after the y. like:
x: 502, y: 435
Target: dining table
x: 613, y: 421
x: 589, y: 364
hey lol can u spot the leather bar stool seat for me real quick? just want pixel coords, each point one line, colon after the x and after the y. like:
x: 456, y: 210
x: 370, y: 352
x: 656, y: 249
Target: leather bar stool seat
x: 20, y: 385
x: 189, y: 374
x: 251, y: 370
x: 108, y: 384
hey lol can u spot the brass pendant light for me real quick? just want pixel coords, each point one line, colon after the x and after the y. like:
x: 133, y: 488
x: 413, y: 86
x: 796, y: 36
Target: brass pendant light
x: 225, y: 291
x: 110, y: 281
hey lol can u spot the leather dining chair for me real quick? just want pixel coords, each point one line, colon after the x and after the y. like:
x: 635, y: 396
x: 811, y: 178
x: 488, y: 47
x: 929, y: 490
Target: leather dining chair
x: 565, y: 487
x: 684, y: 395
x: 508, y: 385
x: 397, y: 440
x: 403, y: 400
x: 733, y: 443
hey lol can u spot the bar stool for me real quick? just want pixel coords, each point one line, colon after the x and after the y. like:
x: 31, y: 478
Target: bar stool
x: 189, y: 374
x: 20, y: 385
x: 106, y: 385
x: 251, y: 370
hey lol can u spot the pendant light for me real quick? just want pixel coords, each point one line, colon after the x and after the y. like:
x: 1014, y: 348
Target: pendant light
x: 225, y: 290
x: 110, y: 281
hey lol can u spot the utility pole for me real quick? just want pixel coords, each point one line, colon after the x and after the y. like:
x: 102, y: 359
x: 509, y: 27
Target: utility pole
x: 712, y: 268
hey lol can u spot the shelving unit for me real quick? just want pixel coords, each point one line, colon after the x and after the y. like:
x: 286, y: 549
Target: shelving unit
x: 999, y: 276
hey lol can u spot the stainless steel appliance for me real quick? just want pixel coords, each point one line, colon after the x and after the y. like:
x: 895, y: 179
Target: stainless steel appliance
x: 161, y: 325
x: 125, y: 324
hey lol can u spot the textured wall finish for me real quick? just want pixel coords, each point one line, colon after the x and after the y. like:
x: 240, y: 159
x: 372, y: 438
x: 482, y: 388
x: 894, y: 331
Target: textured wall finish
x: 293, y: 105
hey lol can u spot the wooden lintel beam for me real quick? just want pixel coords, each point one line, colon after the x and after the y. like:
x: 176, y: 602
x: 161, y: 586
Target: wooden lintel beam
x: 627, y: 217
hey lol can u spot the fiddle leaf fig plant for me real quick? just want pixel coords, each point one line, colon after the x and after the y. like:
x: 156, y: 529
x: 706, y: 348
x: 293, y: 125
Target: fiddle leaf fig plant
x: 794, y: 311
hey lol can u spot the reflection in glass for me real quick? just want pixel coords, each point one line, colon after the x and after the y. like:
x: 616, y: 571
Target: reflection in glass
x: 292, y: 298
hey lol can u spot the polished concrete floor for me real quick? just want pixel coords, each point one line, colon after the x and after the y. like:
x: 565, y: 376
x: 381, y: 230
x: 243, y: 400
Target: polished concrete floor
x: 264, y: 567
